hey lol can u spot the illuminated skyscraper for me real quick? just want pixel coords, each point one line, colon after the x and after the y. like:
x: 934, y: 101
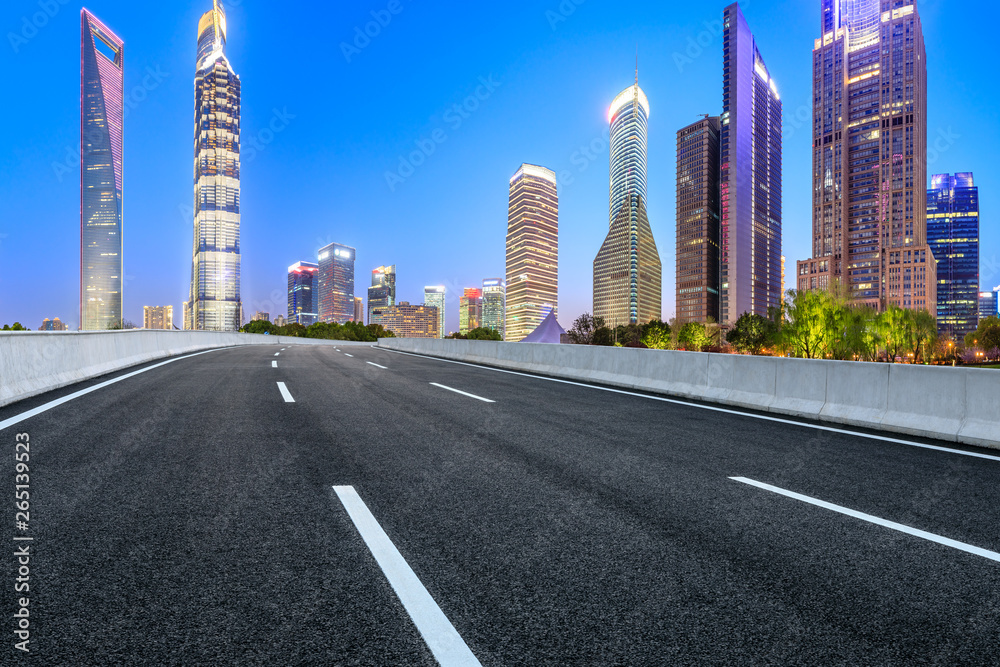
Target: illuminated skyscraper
x: 435, y: 296
x: 303, y: 293
x: 382, y: 293
x: 494, y: 298
x: 532, y: 250
x: 102, y: 113
x: 697, y: 265
x: 470, y: 310
x: 628, y: 275
x: 989, y: 304
x: 215, y: 303
x: 157, y: 317
x: 870, y: 156
x: 409, y: 321
x: 359, y: 310
x: 953, y: 235
x: 336, y: 283
x: 750, y: 176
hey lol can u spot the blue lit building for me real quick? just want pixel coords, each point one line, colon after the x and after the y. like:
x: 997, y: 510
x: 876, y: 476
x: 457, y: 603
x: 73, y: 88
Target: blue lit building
x: 335, y: 280
x: 989, y: 304
x: 303, y: 295
x: 953, y: 235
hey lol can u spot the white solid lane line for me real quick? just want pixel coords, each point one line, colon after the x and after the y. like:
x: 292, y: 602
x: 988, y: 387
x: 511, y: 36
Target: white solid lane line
x: 376, y: 365
x: 442, y: 639
x: 348, y: 355
x: 6, y: 423
x: 478, y: 398
x: 285, y: 394
x: 948, y: 542
x: 713, y: 408
x: 274, y: 364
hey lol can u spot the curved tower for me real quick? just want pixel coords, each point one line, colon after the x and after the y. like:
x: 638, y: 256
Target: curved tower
x: 628, y: 116
x: 215, y: 303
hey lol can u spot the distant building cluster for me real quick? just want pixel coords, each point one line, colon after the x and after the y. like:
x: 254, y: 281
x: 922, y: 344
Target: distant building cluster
x: 54, y: 324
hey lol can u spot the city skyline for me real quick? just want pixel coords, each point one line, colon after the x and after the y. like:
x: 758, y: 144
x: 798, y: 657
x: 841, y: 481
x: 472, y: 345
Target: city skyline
x: 665, y: 71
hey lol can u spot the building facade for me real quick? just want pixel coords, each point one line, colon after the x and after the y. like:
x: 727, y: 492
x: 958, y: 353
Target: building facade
x: 53, y: 325
x: 434, y: 296
x: 953, y: 235
x: 215, y: 301
x: 303, y: 293
x: 382, y: 293
x: 697, y: 252
x: 359, y: 310
x: 261, y: 316
x: 628, y: 275
x: 157, y: 317
x: 470, y: 310
x: 409, y: 321
x: 532, y: 264
x: 335, y: 281
x: 870, y: 156
x: 494, y: 304
x: 749, y: 177
x: 989, y: 304
x: 102, y: 116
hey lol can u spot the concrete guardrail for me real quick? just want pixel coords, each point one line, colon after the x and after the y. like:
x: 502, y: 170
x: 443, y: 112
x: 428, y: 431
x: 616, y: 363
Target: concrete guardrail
x: 32, y: 363
x: 954, y: 404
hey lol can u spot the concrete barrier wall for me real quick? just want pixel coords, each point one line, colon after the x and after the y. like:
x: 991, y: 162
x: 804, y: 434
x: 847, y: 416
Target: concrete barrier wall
x: 955, y: 404
x: 35, y: 362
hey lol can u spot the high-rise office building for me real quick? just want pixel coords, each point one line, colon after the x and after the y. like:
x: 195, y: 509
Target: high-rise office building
x: 532, y: 250
x: 953, y: 235
x: 697, y: 258
x: 405, y: 320
x: 303, y: 293
x: 280, y: 321
x: 470, y: 310
x: 261, y: 316
x: 382, y: 293
x: 359, y: 310
x: 434, y: 296
x: 102, y: 115
x: 53, y: 325
x: 335, y: 280
x: 494, y: 300
x: 749, y: 178
x: 989, y: 304
x: 870, y: 156
x: 628, y: 275
x: 215, y: 302
x: 157, y: 317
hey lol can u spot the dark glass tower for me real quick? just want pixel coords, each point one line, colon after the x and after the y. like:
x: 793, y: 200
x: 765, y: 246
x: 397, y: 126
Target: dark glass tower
x: 215, y: 302
x: 302, y: 293
x: 336, y: 283
x: 102, y: 115
x: 382, y: 293
x: 953, y: 235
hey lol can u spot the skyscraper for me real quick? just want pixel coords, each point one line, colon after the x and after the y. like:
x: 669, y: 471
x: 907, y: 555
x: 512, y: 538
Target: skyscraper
x: 532, y: 250
x: 470, y: 310
x: 336, y: 283
x: 989, y: 304
x: 628, y: 275
x: 408, y: 321
x: 359, y: 310
x: 102, y: 115
x: 215, y: 303
x: 157, y: 317
x: 870, y: 156
x: 697, y: 255
x: 303, y: 293
x: 435, y: 296
x: 953, y: 235
x: 494, y: 299
x: 382, y: 293
x: 750, y: 176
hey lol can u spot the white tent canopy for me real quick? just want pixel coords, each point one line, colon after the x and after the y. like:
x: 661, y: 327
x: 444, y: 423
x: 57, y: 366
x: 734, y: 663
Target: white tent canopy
x: 548, y: 331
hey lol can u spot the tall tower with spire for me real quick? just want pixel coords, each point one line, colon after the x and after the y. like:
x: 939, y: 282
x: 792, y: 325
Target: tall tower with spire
x: 628, y: 275
x: 215, y: 302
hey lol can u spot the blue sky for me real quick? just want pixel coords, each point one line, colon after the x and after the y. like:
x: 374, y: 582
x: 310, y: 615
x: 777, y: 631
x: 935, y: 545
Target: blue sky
x: 345, y: 120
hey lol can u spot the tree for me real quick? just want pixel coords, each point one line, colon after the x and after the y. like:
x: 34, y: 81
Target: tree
x: 806, y: 331
x: 924, y: 335
x: 259, y: 327
x: 693, y: 336
x: 583, y: 329
x: 895, y: 325
x: 484, y: 333
x: 17, y: 326
x: 750, y: 334
x: 987, y: 336
x: 656, y: 335
x: 628, y: 335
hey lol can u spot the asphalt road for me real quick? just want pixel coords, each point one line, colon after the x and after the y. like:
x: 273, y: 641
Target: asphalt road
x: 187, y: 515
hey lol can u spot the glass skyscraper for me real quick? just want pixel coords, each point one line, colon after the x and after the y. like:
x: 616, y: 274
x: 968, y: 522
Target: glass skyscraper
x: 750, y: 176
x: 382, y: 293
x: 470, y: 310
x: 869, y: 146
x: 532, y: 250
x: 215, y: 301
x: 628, y: 275
x: 435, y: 296
x: 953, y: 235
x: 303, y: 301
x: 494, y: 298
x: 102, y: 114
x: 336, y: 283
x: 989, y: 304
